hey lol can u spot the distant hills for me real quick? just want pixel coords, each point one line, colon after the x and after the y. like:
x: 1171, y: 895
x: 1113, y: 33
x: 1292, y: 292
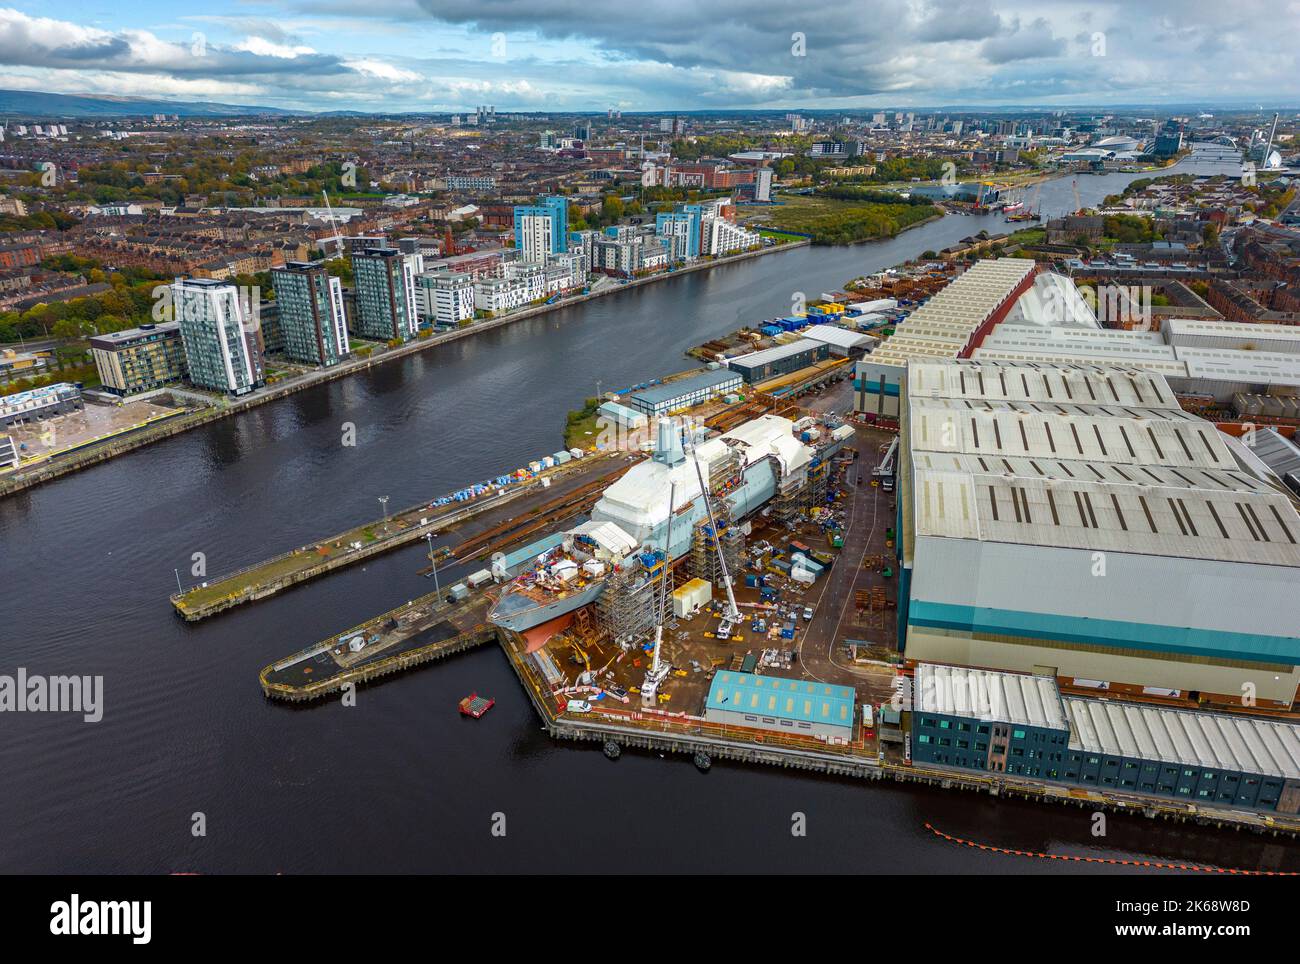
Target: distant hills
x: 33, y: 103
x: 21, y: 104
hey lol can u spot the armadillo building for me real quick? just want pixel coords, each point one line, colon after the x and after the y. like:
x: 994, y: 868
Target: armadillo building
x: 1072, y: 521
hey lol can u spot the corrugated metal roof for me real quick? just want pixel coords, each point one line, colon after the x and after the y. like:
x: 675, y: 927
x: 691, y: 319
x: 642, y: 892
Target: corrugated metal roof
x: 987, y: 695
x: 943, y: 325
x: 834, y: 335
x: 684, y: 386
x: 1254, y: 367
x: 1170, y: 368
x: 1096, y: 433
x: 1038, y: 382
x: 1189, y: 331
x: 1277, y: 452
x: 1150, y: 519
x: 756, y: 358
x: 1191, y: 738
x: 1084, y: 457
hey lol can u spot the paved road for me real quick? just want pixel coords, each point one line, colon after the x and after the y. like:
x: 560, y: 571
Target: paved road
x: 867, y: 516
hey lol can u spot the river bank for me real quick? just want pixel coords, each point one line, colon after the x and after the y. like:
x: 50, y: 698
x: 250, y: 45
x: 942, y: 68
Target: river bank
x: 15, y: 480
x: 87, y: 559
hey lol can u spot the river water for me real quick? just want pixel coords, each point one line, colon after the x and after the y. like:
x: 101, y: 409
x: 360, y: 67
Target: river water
x: 400, y: 782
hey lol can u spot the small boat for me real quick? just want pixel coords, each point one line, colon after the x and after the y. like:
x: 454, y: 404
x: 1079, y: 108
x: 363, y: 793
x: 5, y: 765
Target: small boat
x: 475, y: 705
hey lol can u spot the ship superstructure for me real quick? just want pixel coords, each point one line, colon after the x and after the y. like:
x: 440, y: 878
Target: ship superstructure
x: 652, y: 516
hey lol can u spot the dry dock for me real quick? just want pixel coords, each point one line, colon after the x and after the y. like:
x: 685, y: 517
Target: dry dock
x: 486, y: 515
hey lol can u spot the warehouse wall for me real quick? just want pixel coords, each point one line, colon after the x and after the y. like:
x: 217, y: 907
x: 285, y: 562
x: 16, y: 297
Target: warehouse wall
x: 925, y: 644
x: 760, y: 722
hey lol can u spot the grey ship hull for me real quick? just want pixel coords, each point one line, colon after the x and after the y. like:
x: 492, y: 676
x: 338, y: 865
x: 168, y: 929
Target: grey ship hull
x: 519, y: 612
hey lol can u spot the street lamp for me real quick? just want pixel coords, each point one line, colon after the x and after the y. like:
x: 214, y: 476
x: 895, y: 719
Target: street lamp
x: 383, y: 502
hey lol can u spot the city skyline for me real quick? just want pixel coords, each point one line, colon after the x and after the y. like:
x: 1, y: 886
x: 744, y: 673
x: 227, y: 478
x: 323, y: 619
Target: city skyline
x: 422, y: 55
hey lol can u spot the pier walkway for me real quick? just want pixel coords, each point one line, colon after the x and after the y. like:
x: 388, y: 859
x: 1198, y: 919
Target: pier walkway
x: 487, y: 513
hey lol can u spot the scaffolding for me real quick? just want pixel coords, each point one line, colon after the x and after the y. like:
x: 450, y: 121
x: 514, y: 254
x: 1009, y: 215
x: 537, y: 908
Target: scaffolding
x: 633, y: 601
x: 797, y: 494
x: 725, y: 476
x: 704, y: 562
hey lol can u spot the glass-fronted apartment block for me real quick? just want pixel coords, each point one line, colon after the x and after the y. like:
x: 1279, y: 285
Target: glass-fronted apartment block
x: 311, y: 322
x: 384, y: 285
x: 139, y: 359
x: 222, y: 347
x: 681, y: 228
x: 542, y: 228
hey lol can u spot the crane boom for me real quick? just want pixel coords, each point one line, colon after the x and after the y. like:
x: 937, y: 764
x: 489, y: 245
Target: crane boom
x: 733, y: 613
x: 337, y: 236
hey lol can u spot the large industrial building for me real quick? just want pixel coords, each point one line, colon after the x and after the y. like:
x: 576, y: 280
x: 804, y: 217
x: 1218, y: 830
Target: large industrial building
x: 1196, y: 356
x: 1045, y: 319
x: 1073, y: 521
x: 843, y: 342
x: 949, y: 325
x: 1020, y: 725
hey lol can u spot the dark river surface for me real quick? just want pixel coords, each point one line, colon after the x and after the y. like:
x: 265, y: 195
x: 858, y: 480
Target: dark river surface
x: 401, y: 782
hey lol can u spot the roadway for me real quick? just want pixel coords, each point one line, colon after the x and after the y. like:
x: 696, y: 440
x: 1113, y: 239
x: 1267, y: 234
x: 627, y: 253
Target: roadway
x: 868, y: 512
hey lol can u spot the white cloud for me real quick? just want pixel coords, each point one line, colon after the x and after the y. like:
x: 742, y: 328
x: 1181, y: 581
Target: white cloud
x: 383, y: 71
x: 266, y: 48
x: 675, y: 54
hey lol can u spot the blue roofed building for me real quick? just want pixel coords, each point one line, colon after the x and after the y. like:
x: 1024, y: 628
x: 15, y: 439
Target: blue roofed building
x: 799, y: 707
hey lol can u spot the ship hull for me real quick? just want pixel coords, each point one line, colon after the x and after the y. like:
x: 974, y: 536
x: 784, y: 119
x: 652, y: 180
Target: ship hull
x: 520, y: 613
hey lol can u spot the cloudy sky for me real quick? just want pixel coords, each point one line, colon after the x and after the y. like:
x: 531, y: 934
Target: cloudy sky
x: 439, y: 55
